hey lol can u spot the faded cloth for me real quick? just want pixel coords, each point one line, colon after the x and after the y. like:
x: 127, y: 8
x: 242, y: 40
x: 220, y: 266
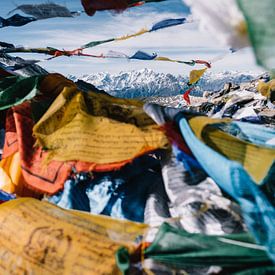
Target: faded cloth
x: 58, y: 241
x: 97, y: 128
x: 120, y: 194
x: 257, y: 210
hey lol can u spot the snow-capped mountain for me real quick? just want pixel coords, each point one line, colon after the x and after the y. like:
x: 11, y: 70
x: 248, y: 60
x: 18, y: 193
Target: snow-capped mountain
x: 147, y: 83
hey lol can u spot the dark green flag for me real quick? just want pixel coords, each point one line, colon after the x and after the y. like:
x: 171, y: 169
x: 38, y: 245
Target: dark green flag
x: 14, y: 90
x: 260, y: 16
x: 178, y: 248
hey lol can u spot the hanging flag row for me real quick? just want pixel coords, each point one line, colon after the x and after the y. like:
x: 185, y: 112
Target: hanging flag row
x: 160, y: 25
x: 139, y: 55
x: 51, y: 51
x: 79, y: 51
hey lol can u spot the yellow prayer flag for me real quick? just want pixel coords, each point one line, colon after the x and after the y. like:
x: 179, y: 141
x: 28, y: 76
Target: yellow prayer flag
x: 265, y: 88
x: 163, y: 58
x: 40, y: 238
x: 97, y: 128
x: 256, y: 159
x: 195, y: 75
x: 142, y: 31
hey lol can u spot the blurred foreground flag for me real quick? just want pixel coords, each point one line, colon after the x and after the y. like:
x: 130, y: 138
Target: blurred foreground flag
x: 92, y: 6
x: 260, y: 18
x: 240, y: 23
x: 223, y: 19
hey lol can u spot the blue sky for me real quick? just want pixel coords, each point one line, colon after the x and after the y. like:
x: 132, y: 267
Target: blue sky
x: 183, y: 42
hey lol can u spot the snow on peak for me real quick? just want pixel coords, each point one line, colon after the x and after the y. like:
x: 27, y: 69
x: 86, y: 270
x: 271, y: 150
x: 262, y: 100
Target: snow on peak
x: 147, y: 83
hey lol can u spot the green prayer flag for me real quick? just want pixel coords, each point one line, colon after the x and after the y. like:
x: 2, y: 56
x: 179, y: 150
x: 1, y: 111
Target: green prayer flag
x: 260, y: 16
x: 178, y: 248
x: 96, y: 43
x: 123, y: 260
x: 14, y: 90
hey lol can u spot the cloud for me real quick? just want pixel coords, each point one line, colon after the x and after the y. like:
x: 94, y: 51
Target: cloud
x: 184, y: 42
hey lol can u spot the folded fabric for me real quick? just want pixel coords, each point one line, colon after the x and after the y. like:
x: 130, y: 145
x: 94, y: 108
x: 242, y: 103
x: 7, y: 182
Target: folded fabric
x: 160, y: 114
x: 96, y: 128
x: 258, y: 212
x: 18, y: 139
x: 36, y: 174
x: 120, y: 194
x: 194, y: 198
x: 49, y: 178
x: 256, y: 134
x: 57, y: 241
x: 177, y: 248
x: 30, y: 171
x: 156, y: 209
x: 257, y: 158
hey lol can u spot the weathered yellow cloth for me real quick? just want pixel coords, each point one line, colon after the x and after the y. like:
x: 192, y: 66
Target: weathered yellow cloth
x: 142, y: 31
x: 257, y: 160
x: 163, y: 58
x: 40, y: 238
x: 195, y: 75
x: 266, y: 88
x: 96, y: 128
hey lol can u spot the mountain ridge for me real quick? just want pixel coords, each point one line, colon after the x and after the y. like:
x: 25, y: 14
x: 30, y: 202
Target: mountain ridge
x: 148, y: 83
